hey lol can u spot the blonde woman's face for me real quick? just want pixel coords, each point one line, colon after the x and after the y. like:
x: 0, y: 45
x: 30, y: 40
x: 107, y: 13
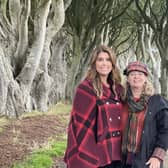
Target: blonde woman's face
x: 103, y: 64
x: 136, y: 79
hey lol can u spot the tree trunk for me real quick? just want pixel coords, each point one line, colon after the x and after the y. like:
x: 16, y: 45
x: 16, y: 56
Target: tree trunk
x: 58, y: 69
x: 164, y: 78
x: 163, y: 50
x: 27, y: 74
x: 5, y: 77
x: 25, y: 82
x: 71, y: 74
x: 44, y: 80
x: 155, y: 58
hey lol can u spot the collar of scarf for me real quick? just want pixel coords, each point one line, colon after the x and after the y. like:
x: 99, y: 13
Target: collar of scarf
x: 129, y: 138
x: 134, y: 106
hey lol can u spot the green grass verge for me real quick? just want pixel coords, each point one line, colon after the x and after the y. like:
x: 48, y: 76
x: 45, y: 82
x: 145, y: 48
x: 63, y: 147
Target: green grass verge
x: 60, y: 108
x: 3, y: 121
x: 42, y: 158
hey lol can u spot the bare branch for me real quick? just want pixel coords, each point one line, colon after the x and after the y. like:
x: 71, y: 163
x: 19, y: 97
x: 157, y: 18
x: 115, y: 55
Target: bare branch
x: 2, y: 33
x: 37, y: 47
x: 3, y: 8
x: 67, y: 4
x: 123, y: 41
x: 4, y: 22
x: 14, y: 13
x: 154, y: 15
x: 120, y: 14
x: 56, y: 17
x: 164, y: 21
x: 23, y: 34
x: 143, y: 13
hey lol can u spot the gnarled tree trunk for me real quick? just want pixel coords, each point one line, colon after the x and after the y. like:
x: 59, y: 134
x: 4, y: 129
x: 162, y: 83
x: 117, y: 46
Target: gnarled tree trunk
x: 27, y: 29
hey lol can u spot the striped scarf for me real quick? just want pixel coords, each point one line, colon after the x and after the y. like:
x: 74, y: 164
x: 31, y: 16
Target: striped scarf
x: 129, y: 142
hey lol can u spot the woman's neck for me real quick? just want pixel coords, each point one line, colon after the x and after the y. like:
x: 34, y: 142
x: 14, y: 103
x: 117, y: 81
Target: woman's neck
x: 104, y: 80
x: 136, y: 92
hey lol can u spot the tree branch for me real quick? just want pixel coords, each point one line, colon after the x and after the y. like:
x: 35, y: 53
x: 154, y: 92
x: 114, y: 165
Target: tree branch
x: 23, y: 37
x: 123, y: 41
x: 25, y: 78
x: 56, y: 18
x: 14, y: 13
x: 67, y: 3
x: 4, y: 22
x: 154, y: 15
x: 3, y: 11
x: 146, y: 18
x: 120, y: 14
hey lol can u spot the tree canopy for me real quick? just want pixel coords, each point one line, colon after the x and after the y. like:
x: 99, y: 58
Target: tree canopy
x: 45, y: 46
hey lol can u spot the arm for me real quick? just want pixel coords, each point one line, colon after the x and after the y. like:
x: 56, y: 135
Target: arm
x: 80, y: 132
x: 84, y: 113
x: 162, y: 135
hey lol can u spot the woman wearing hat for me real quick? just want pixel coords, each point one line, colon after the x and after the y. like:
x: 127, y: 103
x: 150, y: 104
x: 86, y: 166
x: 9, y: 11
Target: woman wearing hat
x: 144, y: 121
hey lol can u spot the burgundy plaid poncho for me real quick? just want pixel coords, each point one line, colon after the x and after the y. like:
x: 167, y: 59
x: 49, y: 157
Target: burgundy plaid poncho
x: 94, y: 137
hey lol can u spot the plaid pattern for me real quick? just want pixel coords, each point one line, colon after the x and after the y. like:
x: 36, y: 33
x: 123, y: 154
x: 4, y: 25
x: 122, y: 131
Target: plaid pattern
x: 94, y: 136
x: 136, y: 66
x: 131, y: 146
x: 154, y: 140
x: 132, y: 126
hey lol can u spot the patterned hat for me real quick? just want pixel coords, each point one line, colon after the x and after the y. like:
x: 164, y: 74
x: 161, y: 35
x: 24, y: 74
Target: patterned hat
x: 136, y: 66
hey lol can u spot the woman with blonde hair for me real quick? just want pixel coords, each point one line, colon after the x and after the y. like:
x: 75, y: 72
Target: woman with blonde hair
x: 144, y: 121
x: 94, y: 132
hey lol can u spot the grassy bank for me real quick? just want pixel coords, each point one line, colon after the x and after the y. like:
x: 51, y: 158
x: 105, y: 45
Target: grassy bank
x: 43, y: 157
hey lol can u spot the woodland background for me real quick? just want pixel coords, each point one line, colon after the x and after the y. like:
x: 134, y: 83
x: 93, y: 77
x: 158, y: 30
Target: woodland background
x: 45, y: 46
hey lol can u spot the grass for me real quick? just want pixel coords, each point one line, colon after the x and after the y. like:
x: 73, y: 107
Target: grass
x: 32, y: 114
x: 3, y: 121
x: 60, y: 108
x: 42, y: 158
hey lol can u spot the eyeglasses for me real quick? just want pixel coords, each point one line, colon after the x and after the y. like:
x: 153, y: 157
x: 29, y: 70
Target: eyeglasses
x: 136, y: 73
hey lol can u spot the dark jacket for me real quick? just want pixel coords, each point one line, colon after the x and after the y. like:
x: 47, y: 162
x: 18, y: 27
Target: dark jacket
x: 155, y: 132
x: 94, y: 136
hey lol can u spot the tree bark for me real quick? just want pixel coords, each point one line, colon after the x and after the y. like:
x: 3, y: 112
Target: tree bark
x: 163, y: 50
x: 159, y: 23
x: 74, y: 69
x: 155, y: 59
x: 164, y: 79
x: 25, y: 53
x: 27, y: 74
x: 44, y: 82
x: 5, y: 77
x: 21, y: 27
x: 58, y: 69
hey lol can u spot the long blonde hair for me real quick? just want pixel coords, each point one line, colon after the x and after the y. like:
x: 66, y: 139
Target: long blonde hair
x: 148, y: 89
x: 92, y: 74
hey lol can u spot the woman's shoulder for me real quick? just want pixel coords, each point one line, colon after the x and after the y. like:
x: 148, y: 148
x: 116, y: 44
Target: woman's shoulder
x: 158, y: 102
x: 158, y: 97
x: 86, y: 83
x: 86, y: 86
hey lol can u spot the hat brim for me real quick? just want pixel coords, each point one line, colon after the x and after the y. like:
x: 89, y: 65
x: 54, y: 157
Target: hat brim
x: 127, y: 73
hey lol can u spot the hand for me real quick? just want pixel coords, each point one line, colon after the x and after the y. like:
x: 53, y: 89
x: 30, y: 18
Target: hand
x: 153, y: 162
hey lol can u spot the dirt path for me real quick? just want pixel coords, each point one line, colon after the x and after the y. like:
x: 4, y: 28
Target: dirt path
x: 22, y: 136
